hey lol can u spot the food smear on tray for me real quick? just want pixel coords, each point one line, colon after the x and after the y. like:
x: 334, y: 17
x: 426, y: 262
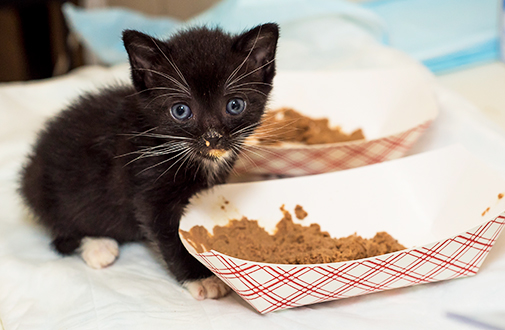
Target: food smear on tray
x: 287, y: 125
x: 290, y: 244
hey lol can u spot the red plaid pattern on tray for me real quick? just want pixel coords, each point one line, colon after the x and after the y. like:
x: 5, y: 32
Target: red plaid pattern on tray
x: 305, y: 160
x: 271, y: 287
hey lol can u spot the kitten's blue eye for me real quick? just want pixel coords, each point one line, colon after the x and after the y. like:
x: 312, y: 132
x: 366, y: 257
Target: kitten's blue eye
x: 181, y: 111
x: 235, y: 106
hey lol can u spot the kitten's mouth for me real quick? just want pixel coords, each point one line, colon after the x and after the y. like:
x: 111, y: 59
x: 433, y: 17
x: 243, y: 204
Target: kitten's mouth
x: 215, y: 154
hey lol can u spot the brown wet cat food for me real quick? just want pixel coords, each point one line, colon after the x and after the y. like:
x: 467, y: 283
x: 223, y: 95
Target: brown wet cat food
x: 287, y: 125
x: 300, y: 212
x: 290, y: 244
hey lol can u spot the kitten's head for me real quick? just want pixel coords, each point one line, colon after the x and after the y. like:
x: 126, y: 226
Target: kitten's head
x: 203, y: 87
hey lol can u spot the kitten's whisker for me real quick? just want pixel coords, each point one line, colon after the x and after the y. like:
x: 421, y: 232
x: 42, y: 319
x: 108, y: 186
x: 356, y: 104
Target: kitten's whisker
x: 191, y: 160
x: 238, y: 151
x: 163, y: 136
x: 180, y: 155
x: 185, y: 158
x: 165, y: 151
x: 247, y: 147
x: 250, y: 73
x: 251, y: 126
x: 162, y: 162
x: 271, y: 131
x: 172, y: 63
x: 189, y: 133
x: 259, y: 129
x: 229, y: 166
x: 197, y: 169
x: 234, y: 72
x: 272, y: 153
x: 143, y: 150
x: 137, y: 134
x: 154, y: 154
x: 269, y: 127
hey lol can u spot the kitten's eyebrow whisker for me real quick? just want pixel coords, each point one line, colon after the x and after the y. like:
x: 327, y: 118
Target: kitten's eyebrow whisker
x: 254, y: 83
x: 154, y: 88
x: 232, y: 75
x: 179, y: 73
x: 245, y: 89
x: 170, y: 78
x: 251, y: 72
x: 162, y: 95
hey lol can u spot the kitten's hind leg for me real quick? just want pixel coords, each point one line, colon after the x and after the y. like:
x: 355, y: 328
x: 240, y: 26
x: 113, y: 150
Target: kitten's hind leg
x: 99, y: 252
x: 66, y: 245
x: 210, y: 287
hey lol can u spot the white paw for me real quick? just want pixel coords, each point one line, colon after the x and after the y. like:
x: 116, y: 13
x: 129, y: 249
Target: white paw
x: 210, y: 287
x: 99, y: 252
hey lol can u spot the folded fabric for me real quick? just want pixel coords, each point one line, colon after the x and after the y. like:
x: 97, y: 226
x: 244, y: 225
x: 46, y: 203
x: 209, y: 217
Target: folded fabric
x: 443, y: 34
x: 315, y: 33
x: 237, y: 15
x: 100, y: 29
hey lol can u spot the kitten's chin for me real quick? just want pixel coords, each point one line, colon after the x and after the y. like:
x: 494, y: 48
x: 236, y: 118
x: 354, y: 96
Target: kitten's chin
x: 215, y: 161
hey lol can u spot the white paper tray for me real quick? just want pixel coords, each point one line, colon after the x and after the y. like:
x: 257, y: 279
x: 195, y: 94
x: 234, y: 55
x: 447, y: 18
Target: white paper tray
x: 434, y: 203
x: 393, y: 107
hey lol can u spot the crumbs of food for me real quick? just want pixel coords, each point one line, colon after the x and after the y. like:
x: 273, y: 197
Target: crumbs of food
x: 500, y: 196
x: 290, y: 244
x: 485, y: 211
x: 288, y: 125
x: 300, y: 213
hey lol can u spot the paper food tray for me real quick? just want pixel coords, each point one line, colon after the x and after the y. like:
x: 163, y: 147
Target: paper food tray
x: 392, y: 107
x: 444, y: 206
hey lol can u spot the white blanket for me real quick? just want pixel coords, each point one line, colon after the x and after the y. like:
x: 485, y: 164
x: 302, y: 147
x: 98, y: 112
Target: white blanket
x: 42, y: 290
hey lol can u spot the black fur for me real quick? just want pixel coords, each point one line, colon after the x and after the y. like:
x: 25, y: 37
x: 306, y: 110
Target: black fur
x: 85, y: 177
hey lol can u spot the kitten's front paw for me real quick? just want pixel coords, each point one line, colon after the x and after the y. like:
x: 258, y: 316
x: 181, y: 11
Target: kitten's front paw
x: 99, y: 252
x: 210, y: 287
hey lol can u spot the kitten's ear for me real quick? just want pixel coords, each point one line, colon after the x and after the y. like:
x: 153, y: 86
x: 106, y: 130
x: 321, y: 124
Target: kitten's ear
x: 143, y: 52
x: 260, y: 44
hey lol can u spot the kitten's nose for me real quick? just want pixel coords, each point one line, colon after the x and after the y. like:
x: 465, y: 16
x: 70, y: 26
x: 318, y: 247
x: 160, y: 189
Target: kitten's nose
x: 212, y: 138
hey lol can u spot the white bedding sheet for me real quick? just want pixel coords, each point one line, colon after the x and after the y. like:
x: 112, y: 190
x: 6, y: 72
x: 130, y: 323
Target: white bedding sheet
x: 41, y: 290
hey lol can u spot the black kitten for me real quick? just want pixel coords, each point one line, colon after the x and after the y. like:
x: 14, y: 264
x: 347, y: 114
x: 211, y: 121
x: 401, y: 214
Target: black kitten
x: 121, y: 165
